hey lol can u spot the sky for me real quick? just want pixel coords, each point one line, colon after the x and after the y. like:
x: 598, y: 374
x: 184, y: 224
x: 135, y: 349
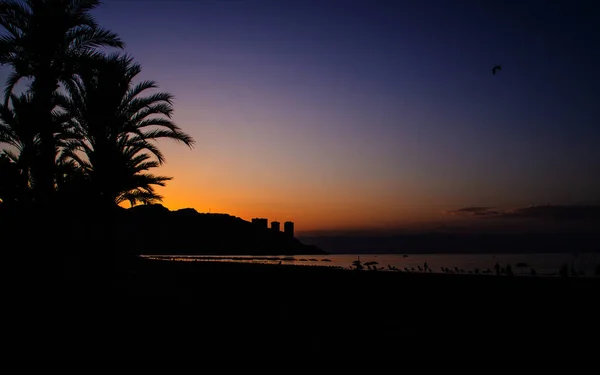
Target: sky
x: 372, y: 115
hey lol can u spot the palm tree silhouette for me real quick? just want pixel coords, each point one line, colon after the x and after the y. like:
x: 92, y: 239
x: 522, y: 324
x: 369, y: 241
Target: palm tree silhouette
x: 117, y: 127
x: 358, y: 266
x: 16, y: 131
x: 9, y: 176
x: 45, y: 41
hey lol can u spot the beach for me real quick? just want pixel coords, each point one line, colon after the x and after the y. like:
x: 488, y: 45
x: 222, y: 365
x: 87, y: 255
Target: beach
x: 313, y: 308
x: 522, y: 264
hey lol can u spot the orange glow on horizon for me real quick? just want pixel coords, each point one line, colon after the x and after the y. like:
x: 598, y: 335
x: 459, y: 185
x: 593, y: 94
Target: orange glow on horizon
x: 310, y: 210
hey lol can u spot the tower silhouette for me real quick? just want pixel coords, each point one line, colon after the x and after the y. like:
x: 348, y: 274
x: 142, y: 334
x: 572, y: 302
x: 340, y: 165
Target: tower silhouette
x: 288, y: 228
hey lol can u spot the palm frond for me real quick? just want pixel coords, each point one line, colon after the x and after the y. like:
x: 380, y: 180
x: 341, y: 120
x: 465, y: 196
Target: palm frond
x: 8, y: 43
x: 139, y: 196
x: 136, y: 143
x: 159, y: 122
x: 135, y: 156
x: 144, y: 166
x: 83, y: 6
x: 11, y: 155
x: 151, y: 179
x: 83, y: 40
x: 9, y: 136
x: 70, y: 154
x: 159, y: 103
x: 11, y: 81
x: 138, y: 89
x: 170, y: 134
x: 14, y: 13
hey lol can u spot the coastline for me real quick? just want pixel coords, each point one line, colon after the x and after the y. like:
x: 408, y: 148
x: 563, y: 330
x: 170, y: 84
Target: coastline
x: 312, y: 293
x: 154, y: 305
x: 149, y: 277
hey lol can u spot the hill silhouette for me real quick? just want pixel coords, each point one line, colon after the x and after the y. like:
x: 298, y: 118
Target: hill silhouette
x: 187, y: 232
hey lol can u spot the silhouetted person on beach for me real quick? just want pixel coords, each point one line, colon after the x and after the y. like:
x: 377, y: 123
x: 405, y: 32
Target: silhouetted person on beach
x: 497, y: 268
x: 574, y: 271
x: 426, y: 267
x: 564, y: 270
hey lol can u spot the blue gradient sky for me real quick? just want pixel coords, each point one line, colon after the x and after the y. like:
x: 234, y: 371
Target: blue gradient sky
x: 372, y: 114
x: 356, y: 114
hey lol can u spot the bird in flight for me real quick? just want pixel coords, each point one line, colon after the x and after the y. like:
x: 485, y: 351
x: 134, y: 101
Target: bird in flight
x: 496, y: 68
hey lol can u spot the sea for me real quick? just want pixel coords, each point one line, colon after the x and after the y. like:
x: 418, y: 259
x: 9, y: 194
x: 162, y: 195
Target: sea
x: 582, y: 264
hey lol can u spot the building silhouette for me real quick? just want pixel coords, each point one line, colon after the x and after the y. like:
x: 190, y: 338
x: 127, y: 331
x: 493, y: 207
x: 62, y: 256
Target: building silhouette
x: 261, y: 222
x: 288, y: 228
x: 275, y: 225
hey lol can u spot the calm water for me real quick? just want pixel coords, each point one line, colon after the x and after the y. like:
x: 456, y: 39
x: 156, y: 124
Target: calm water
x: 544, y: 264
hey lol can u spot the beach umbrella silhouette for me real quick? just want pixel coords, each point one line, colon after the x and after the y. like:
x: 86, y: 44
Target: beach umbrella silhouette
x: 522, y: 266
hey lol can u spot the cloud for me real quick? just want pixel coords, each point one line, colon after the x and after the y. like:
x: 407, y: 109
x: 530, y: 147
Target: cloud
x: 559, y: 213
x: 475, y: 211
x: 543, y: 212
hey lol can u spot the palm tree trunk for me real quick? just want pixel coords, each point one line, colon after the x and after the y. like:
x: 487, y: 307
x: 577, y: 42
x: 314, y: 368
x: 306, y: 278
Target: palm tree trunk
x: 43, y: 87
x: 25, y: 161
x: 44, y: 225
x: 23, y: 186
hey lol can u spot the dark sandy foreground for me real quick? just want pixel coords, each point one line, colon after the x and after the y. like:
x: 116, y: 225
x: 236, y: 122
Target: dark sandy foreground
x: 158, y: 305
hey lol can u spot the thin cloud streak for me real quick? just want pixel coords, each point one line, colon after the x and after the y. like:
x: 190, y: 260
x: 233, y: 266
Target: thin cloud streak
x: 564, y: 213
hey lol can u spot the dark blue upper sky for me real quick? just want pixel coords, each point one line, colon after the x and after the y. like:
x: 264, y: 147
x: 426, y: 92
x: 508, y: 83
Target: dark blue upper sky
x: 303, y: 107
x: 422, y: 53
x: 389, y: 104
